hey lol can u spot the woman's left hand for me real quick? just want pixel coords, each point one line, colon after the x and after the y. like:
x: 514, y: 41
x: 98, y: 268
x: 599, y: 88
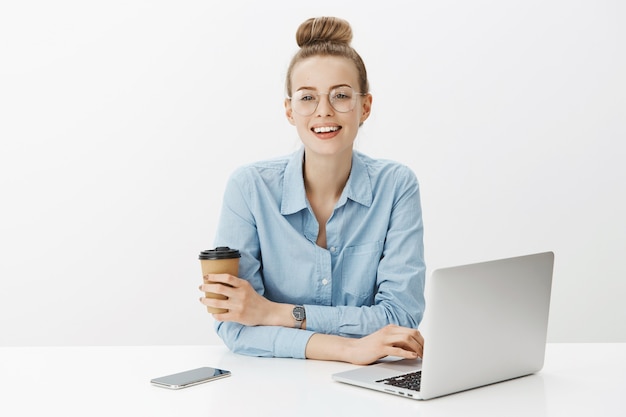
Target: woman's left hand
x: 243, y: 303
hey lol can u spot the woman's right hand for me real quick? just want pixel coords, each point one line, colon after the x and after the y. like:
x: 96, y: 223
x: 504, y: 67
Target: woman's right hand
x: 243, y: 303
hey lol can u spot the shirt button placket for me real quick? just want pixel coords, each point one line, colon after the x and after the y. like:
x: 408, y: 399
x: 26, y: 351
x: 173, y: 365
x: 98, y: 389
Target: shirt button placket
x: 325, y: 290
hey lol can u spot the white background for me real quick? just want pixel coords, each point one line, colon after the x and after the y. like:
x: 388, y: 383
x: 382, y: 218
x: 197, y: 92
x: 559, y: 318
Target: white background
x: 121, y: 120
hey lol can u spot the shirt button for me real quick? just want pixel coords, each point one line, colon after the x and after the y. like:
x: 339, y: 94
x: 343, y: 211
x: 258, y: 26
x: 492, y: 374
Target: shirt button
x: 324, y: 281
x: 333, y: 249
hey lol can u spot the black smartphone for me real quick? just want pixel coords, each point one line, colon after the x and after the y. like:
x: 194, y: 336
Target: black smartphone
x: 189, y: 378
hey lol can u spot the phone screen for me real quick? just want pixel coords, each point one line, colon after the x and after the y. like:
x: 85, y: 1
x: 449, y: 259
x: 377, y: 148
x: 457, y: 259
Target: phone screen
x: 189, y: 378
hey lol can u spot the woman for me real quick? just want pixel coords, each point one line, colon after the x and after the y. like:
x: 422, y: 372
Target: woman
x: 332, y: 241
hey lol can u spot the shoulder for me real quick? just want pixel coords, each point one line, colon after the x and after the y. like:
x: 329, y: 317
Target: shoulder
x: 265, y: 170
x: 386, y: 170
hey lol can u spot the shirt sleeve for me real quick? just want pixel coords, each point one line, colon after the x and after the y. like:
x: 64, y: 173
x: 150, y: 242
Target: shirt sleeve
x: 400, y: 280
x: 237, y: 229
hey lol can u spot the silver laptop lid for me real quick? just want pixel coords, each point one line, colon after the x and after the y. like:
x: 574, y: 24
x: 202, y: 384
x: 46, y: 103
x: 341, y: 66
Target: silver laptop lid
x: 489, y: 322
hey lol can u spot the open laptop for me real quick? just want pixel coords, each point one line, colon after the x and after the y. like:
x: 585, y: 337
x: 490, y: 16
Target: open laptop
x: 484, y: 323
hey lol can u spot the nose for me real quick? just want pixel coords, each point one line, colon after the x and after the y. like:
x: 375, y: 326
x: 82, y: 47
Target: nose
x: 324, y: 108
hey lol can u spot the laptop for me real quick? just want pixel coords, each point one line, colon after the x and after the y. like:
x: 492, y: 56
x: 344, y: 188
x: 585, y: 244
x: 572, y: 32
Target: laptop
x: 484, y: 323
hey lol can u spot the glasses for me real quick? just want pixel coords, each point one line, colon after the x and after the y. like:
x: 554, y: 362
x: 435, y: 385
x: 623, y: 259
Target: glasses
x: 342, y: 99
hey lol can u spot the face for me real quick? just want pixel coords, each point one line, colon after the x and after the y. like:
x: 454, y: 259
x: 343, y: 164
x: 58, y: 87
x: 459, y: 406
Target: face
x: 327, y: 131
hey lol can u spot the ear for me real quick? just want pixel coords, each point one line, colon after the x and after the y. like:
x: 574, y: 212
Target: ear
x: 289, y: 112
x: 366, y: 108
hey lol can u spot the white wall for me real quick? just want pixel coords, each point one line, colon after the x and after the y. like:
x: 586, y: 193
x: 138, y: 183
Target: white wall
x: 120, y: 121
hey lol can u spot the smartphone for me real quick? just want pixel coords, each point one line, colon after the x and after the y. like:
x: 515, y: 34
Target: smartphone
x: 189, y: 378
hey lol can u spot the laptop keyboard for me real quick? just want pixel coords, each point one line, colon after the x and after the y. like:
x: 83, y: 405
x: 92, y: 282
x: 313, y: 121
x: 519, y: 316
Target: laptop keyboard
x: 410, y: 381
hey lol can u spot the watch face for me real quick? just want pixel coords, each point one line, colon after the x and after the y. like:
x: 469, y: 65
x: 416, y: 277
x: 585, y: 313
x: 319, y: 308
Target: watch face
x: 298, y: 313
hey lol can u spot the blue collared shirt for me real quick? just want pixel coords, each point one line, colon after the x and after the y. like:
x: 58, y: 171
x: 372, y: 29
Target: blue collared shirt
x: 370, y: 274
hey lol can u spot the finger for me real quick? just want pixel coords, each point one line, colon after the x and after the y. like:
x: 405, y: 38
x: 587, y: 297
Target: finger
x: 215, y: 303
x: 420, y: 338
x: 409, y: 339
x: 217, y: 288
x: 420, y: 341
x: 402, y: 353
x: 222, y: 279
x: 415, y: 336
x: 419, y: 346
x: 409, y: 347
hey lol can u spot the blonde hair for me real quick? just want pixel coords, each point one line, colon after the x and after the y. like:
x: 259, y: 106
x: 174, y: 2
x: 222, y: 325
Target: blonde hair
x: 326, y: 36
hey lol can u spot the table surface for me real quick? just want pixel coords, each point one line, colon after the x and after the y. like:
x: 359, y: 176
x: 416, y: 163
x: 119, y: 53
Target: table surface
x: 577, y: 380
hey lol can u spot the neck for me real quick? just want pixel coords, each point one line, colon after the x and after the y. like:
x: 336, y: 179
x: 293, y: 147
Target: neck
x: 325, y: 176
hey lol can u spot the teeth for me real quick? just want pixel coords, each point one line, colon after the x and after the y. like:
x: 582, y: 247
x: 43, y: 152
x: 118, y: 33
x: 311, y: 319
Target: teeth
x: 326, y: 129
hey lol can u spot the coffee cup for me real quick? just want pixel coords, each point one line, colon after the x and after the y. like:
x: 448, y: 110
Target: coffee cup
x: 221, y: 260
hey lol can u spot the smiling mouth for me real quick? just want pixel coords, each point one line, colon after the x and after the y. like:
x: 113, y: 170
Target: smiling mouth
x: 326, y: 129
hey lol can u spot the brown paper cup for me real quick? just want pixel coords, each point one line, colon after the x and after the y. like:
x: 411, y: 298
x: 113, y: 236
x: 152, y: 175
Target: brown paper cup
x: 221, y: 260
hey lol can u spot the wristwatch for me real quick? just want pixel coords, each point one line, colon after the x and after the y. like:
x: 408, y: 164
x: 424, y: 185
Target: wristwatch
x: 298, y: 315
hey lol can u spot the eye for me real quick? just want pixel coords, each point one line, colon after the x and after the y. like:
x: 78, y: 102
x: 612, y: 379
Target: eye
x: 305, y: 96
x: 342, y: 94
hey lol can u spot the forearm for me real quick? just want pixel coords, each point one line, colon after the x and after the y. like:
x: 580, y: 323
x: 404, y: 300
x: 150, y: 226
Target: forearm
x: 391, y: 340
x: 329, y: 347
x: 279, y: 315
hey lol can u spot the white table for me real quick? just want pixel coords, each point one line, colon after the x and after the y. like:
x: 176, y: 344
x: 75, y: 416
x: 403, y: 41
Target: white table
x: 577, y: 380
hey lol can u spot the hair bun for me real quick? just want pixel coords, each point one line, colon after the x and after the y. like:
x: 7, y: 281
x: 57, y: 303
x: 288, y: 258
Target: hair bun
x: 322, y: 30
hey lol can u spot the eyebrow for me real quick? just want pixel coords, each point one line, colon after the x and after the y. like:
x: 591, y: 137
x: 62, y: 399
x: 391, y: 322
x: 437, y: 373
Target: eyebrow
x: 331, y: 87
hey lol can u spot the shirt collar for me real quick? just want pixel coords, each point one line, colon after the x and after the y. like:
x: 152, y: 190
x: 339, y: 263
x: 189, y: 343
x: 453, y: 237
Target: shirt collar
x: 294, y: 198
x: 358, y: 188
